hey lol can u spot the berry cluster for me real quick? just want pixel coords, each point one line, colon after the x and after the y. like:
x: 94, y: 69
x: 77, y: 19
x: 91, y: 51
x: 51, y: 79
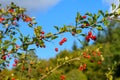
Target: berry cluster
x: 82, y: 67
x: 15, y: 62
x: 90, y: 36
x: 62, y: 41
x: 93, y: 55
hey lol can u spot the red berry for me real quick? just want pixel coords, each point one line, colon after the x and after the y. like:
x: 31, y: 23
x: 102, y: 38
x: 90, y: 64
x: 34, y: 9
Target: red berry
x: 81, y: 68
x: 88, y: 56
x: 99, y: 53
x: 84, y: 17
x: 17, y: 47
x: 93, y: 38
x: 87, y: 24
x: 16, y: 61
x: 4, y: 57
x: 99, y: 62
x: 62, y: 77
x: 56, y: 49
x: 87, y: 38
x: 60, y: 43
x: 42, y: 32
x: 89, y: 33
x: 84, y: 66
x: 11, y: 10
x: 14, y: 65
x: 13, y: 79
x: 64, y: 39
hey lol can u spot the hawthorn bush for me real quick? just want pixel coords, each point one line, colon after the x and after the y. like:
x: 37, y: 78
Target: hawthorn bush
x: 24, y: 58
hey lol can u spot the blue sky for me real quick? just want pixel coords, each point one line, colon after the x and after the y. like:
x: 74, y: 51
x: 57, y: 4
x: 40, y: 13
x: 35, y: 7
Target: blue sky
x: 64, y: 13
x: 49, y: 13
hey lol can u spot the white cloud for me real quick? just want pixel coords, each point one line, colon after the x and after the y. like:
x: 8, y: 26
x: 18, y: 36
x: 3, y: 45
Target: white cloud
x: 35, y: 5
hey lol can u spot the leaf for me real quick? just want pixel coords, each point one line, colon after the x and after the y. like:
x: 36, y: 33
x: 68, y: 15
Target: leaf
x: 25, y: 46
x: 106, y: 23
x: 113, y: 6
x: 99, y: 27
x: 89, y: 14
x: 101, y: 12
x: 56, y: 27
x: 15, y: 39
x: 83, y: 34
x: 90, y: 20
x: 78, y: 31
x: 54, y: 37
x: 118, y: 11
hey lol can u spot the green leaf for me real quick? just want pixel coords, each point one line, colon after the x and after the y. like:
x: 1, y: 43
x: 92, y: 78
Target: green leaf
x: 78, y: 15
x: 90, y: 20
x: 89, y: 14
x: 118, y: 11
x: 83, y: 34
x: 15, y: 39
x: 99, y: 27
x: 54, y: 37
x: 11, y: 36
x: 56, y: 27
x: 25, y: 46
x: 113, y: 6
x: 78, y: 31
x: 106, y: 23
x: 48, y: 35
x: 101, y: 12
x: 6, y: 42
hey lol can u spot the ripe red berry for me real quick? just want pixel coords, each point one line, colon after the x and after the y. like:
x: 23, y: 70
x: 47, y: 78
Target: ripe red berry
x: 60, y: 43
x: 42, y: 32
x: 4, y: 57
x: 16, y: 61
x: 64, y: 39
x: 84, y: 17
x: 87, y: 38
x: 56, y: 49
x: 81, y: 68
x: 87, y: 24
x: 17, y: 47
x: 93, y: 38
x: 89, y: 33
x: 62, y: 77
x: 11, y: 10
x: 14, y: 65
x: 84, y: 66
x: 99, y: 53
x: 13, y: 79
x: 88, y: 56
x: 99, y: 62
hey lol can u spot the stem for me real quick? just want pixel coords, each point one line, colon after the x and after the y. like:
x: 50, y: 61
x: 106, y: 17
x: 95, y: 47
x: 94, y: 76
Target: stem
x: 74, y: 59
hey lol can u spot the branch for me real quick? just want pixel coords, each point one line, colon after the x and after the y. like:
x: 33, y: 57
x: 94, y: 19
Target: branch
x: 74, y: 59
